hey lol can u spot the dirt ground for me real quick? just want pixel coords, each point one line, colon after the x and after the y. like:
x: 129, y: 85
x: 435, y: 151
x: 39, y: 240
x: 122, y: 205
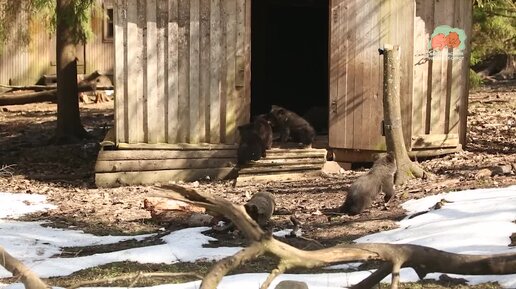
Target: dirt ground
x: 65, y: 174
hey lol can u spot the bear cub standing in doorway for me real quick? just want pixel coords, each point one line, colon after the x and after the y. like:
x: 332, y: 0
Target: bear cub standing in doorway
x: 291, y: 126
x: 255, y: 140
x: 363, y: 191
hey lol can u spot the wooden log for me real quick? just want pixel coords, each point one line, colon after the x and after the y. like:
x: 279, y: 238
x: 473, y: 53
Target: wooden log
x: 276, y: 169
x: 297, y: 151
x: 292, y: 155
x: 179, y: 146
x: 23, y: 273
x: 424, y: 153
x: 38, y: 96
x: 156, y: 205
x: 276, y: 153
x: 281, y: 162
x: 24, y: 98
x: 246, y: 180
x: 166, y: 210
x: 156, y: 165
x: 108, y: 155
x: 29, y: 87
x: 283, y: 165
x: 163, y: 176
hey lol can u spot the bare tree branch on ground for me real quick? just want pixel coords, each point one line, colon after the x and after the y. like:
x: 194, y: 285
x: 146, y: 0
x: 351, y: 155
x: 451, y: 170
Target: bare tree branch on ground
x: 422, y: 259
x: 29, y: 279
x: 392, y: 117
x: 41, y: 95
x: 134, y: 278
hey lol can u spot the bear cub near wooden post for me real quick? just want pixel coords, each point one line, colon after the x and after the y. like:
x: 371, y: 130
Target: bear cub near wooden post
x: 363, y: 191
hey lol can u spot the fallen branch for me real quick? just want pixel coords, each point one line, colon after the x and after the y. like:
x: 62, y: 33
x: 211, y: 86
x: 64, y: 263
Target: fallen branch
x: 29, y: 87
x: 422, y: 259
x: 134, y: 277
x: 41, y: 96
x: 6, y: 170
x: 491, y: 100
x: 29, y: 279
x: 29, y: 97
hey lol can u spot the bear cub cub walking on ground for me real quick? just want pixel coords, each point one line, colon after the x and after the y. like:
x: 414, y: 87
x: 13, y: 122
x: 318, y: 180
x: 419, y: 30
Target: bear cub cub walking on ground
x: 261, y: 207
x: 363, y: 191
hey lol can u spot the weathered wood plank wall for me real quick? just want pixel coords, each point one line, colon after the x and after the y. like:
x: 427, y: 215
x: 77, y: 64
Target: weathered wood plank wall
x: 22, y: 64
x: 441, y: 80
x: 357, y: 30
x: 433, y: 89
x: 99, y: 51
x: 182, y: 71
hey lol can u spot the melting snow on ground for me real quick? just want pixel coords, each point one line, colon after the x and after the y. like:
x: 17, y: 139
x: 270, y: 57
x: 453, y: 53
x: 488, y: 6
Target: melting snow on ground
x: 470, y: 222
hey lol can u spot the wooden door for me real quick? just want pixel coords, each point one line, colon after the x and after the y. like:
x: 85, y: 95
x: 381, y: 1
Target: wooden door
x: 357, y: 30
x: 355, y: 75
x: 440, y: 79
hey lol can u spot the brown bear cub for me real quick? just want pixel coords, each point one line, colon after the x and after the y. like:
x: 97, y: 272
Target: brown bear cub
x: 255, y: 139
x: 363, y: 191
x: 263, y: 128
x: 261, y: 207
x: 291, y: 126
x: 250, y: 147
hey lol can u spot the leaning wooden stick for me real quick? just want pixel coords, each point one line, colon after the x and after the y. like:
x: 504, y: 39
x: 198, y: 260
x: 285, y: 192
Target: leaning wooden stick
x: 29, y: 279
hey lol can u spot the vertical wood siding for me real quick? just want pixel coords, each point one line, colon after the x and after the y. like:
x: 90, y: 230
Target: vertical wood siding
x: 24, y: 65
x: 432, y: 91
x: 99, y: 52
x: 441, y: 81
x: 182, y: 70
x: 357, y: 30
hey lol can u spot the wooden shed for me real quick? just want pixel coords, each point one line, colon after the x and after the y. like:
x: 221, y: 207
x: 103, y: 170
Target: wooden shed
x: 182, y: 77
x: 22, y: 64
x: 184, y: 83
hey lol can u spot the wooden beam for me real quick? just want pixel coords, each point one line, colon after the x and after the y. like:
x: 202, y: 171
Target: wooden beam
x: 435, y: 141
x: 251, y: 180
x: 113, y: 155
x: 285, y: 162
x: 162, y: 176
x: 280, y: 168
x: 172, y: 112
x: 106, y: 166
x: 179, y: 146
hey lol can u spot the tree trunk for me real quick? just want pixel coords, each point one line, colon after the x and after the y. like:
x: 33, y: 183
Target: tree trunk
x: 69, y: 126
x: 392, y: 117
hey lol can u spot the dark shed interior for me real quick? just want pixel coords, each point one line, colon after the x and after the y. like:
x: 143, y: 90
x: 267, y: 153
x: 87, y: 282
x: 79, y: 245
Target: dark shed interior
x: 289, y: 65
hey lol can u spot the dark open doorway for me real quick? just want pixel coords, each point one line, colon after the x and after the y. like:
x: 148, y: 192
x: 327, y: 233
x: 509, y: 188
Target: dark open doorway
x: 289, y: 65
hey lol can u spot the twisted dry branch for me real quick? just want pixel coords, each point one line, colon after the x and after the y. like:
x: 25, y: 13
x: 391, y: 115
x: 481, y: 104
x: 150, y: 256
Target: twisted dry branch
x: 422, y: 259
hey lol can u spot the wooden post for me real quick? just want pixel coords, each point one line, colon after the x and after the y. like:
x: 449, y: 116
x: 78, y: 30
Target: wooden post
x: 392, y: 116
x: 391, y: 97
